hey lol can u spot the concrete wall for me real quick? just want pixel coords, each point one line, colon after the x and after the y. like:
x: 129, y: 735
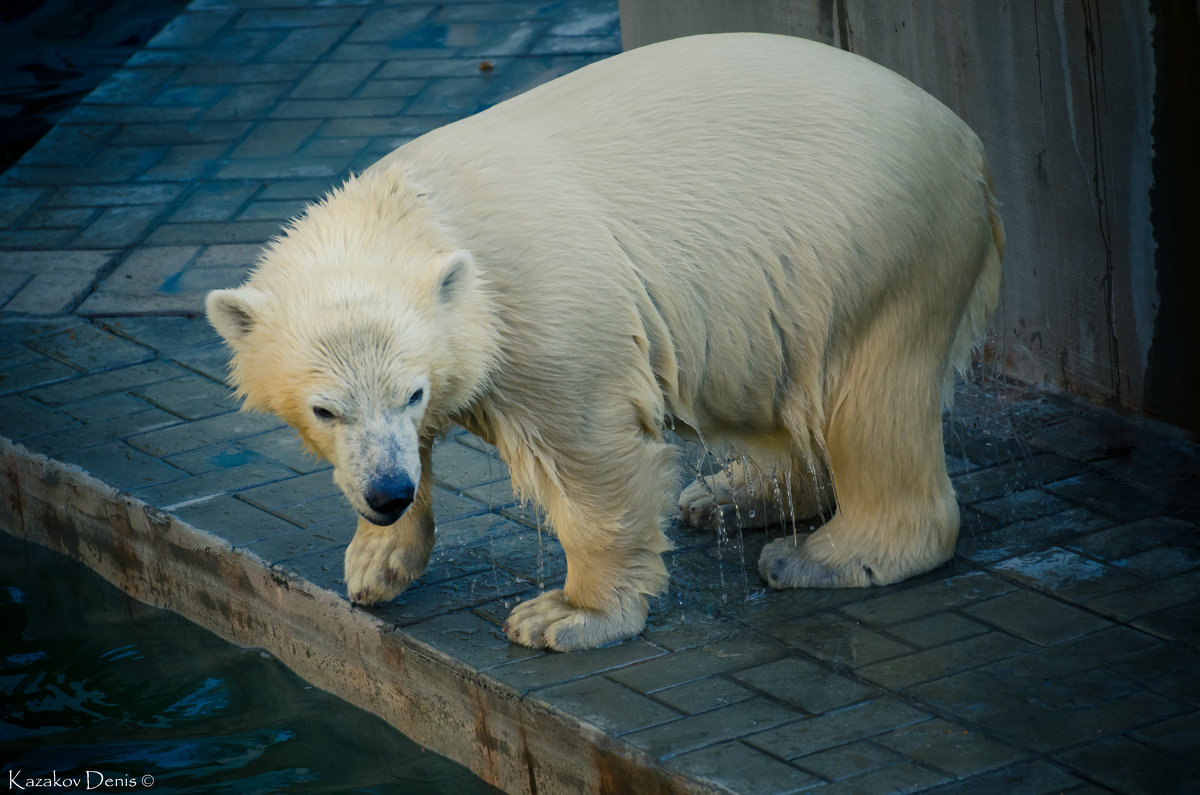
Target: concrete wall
x: 1087, y: 109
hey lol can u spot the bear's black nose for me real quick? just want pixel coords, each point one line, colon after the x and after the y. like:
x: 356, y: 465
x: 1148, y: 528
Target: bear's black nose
x: 389, y: 497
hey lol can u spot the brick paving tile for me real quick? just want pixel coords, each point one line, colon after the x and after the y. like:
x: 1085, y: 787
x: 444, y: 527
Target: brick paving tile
x: 190, y: 397
x: 529, y: 556
x: 901, y: 672
x: 22, y: 418
x: 483, y: 528
x: 210, y: 360
x: 983, y: 450
x: 438, y: 592
x: 1180, y: 623
x: 994, y: 482
x: 15, y: 202
x: 89, y: 434
x: 1082, y: 726
x: 125, y: 467
x: 181, y: 438
x: 947, y: 746
x: 286, y: 546
x: 1027, y: 778
x: 852, y: 759
x: 807, y: 685
x: 1128, y: 540
x: 1151, y: 597
x: 60, y: 218
x: 676, y: 626
x: 903, y: 777
x: 237, y: 522
x: 982, y: 698
x: 210, y: 484
x: 833, y: 729
x: 105, y: 407
x: 1012, y: 539
x: 330, y: 514
x: 709, y: 728
x: 606, y: 704
x: 688, y: 666
x: 471, y: 639
x: 1126, y: 765
x: 744, y: 769
x: 1026, y: 504
x: 1066, y: 574
x: 293, y: 491
x: 1062, y: 660
x: 33, y: 374
x: 283, y: 445
x: 322, y: 568
x: 459, y: 466
x: 163, y: 334
x: 1178, y: 735
x: 1106, y: 496
x: 703, y: 695
x: 904, y: 605
x: 50, y: 283
x: 837, y: 640
x: 1035, y: 617
x: 550, y: 669
x: 1171, y: 670
x: 936, y: 630
x: 1165, y: 561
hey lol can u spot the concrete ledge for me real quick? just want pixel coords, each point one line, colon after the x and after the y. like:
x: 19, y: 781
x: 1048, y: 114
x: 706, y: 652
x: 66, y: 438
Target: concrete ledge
x: 433, y: 698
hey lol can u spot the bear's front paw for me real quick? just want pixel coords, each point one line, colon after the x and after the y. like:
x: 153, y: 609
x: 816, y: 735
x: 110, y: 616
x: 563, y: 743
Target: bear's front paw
x: 379, y: 566
x: 549, y: 621
x: 788, y: 563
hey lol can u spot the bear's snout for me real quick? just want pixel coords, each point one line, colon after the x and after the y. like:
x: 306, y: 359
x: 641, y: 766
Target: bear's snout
x: 389, y: 497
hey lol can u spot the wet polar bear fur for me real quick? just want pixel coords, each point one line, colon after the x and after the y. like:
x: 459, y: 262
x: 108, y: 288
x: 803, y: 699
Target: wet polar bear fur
x: 771, y: 244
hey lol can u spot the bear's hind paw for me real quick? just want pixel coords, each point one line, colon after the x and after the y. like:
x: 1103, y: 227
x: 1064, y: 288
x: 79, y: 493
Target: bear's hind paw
x: 786, y: 563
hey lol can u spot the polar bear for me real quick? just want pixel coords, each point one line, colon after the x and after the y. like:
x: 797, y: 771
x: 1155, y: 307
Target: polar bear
x: 759, y: 241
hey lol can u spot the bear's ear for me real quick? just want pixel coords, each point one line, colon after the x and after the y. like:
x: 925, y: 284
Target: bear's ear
x: 457, y: 271
x: 234, y: 313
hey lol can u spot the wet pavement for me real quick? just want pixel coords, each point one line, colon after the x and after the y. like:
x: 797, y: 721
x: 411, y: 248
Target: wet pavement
x: 53, y: 53
x: 1056, y: 653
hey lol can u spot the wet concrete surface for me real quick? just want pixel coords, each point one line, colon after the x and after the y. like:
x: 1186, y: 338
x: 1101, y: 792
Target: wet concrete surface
x: 1056, y: 653
x: 53, y: 53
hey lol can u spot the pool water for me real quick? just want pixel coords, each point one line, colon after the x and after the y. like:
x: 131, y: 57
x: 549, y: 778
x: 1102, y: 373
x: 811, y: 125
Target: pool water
x: 96, y: 686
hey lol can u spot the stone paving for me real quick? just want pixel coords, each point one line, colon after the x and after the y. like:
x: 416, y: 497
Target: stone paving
x: 1056, y: 653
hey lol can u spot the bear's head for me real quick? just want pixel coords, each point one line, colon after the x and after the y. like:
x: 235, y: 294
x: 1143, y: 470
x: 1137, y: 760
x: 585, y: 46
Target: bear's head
x: 365, y: 335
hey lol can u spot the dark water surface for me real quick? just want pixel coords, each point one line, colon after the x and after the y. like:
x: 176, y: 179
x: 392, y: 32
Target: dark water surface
x: 92, y: 680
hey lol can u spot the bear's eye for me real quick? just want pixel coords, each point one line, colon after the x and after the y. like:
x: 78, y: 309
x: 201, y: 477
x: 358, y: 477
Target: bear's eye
x: 323, y: 414
x: 416, y: 397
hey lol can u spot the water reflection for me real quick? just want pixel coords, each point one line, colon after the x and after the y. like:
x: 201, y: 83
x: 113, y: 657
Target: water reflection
x: 91, y: 680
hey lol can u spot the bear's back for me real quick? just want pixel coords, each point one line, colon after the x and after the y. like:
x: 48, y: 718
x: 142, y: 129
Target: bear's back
x: 774, y: 180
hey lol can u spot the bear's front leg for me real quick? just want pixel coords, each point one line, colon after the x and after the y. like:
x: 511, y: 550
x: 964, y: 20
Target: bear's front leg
x: 382, y: 561
x: 614, y: 549
x: 610, y: 612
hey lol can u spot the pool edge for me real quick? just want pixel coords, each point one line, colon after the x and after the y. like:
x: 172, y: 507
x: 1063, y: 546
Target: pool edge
x: 437, y: 700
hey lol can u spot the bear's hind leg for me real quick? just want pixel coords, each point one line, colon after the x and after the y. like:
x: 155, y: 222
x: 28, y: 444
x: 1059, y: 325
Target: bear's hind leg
x: 896, y: 514
x: 610, y: 526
